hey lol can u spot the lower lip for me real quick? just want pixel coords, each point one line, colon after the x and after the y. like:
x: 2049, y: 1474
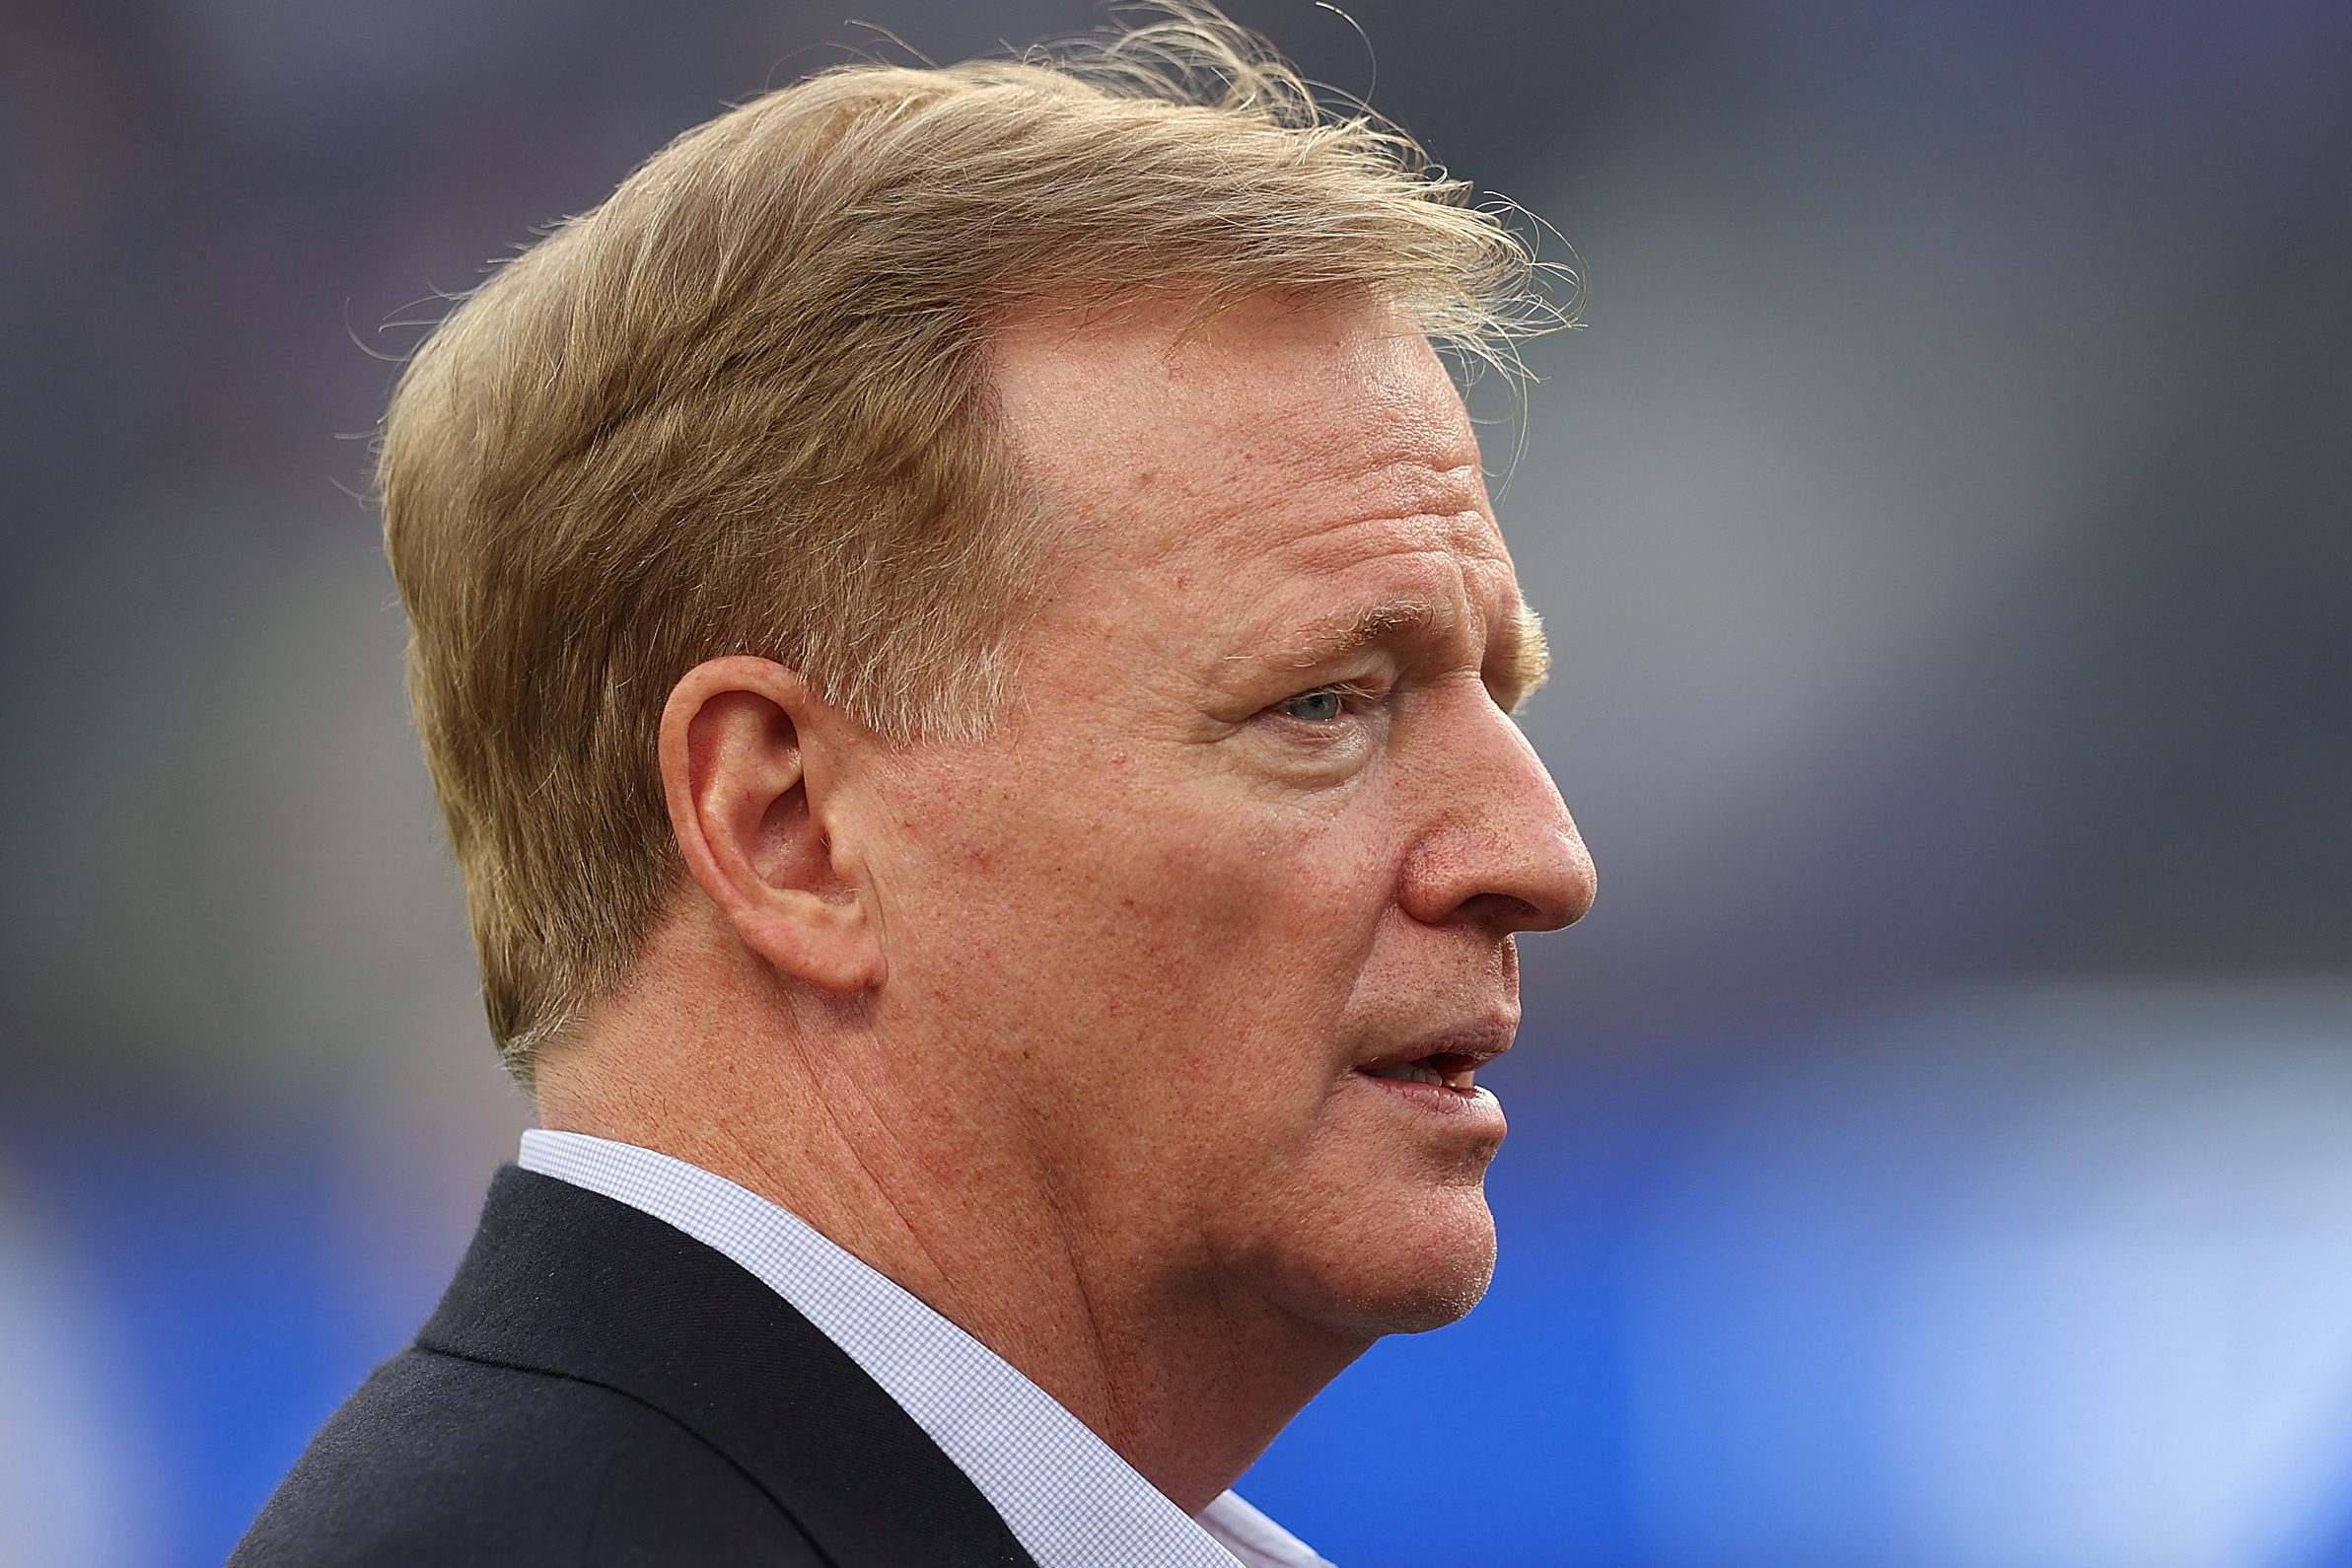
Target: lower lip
x: 1478, y: 1106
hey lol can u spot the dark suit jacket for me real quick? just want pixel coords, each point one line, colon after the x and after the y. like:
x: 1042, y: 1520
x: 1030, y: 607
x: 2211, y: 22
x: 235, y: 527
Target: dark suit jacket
x: 598, y: 1388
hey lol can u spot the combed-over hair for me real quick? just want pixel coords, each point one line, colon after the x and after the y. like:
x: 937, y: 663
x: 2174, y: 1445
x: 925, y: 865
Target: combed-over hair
x: 742, y: 407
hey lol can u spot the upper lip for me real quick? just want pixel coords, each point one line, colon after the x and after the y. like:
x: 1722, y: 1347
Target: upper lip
x: 1468, y: 1045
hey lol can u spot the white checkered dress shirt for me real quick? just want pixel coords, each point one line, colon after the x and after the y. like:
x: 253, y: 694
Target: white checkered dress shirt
x: 1069, y: 1499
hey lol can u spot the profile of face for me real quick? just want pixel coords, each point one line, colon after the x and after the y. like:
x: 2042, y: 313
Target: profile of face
x: 1219, y: 919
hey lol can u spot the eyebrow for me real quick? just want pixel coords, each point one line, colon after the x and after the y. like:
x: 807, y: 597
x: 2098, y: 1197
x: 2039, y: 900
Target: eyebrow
x: 1525, y: 659
x: 1334, y: 640
x: 1518, y: 661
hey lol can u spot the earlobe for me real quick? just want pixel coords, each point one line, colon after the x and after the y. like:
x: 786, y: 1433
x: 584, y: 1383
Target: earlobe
x: 749, y: 774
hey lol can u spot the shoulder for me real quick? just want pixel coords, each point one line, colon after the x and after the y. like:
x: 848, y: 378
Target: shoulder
x: 442, y: 1459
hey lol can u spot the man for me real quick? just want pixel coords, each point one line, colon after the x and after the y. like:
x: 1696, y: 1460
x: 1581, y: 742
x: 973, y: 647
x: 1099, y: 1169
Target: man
x: 963, y: 642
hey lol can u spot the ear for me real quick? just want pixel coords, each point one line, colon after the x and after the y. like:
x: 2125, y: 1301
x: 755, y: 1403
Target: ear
x: 747, y: 760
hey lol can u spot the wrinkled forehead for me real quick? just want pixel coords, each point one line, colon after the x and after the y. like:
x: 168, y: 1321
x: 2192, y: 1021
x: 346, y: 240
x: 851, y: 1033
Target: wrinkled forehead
x: 1240, y: 420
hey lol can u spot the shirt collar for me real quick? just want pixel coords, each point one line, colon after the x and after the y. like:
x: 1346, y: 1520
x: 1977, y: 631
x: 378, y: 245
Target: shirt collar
x: 1067, y: 1496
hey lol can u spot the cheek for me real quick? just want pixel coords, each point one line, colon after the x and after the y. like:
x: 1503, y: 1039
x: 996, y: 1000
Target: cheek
x: 1144, y: 952
x: 1254, y: 914
x: 1169, y: 889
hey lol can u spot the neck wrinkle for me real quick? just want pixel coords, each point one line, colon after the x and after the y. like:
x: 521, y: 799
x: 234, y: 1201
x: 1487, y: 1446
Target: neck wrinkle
x: 1182, y: 1381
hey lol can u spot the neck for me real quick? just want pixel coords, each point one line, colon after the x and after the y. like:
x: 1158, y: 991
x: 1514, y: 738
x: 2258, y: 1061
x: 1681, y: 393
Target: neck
x: 1187, y: 1379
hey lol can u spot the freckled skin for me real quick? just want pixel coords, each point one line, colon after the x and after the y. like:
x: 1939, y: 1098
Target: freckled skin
x: 1092, y: 1092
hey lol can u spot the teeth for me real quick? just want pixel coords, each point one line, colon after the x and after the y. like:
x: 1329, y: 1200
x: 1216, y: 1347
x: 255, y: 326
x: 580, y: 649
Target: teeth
x: 1416, y: 1073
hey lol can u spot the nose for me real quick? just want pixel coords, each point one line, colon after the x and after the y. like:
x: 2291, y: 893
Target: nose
x: 1501, y: 852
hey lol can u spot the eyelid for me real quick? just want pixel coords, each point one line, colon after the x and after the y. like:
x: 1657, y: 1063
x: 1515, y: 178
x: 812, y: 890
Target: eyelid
x: 1368, y: 691
x: 1357, y: 697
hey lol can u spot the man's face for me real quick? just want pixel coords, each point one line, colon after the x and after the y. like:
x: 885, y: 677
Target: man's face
x: 1255, y: 819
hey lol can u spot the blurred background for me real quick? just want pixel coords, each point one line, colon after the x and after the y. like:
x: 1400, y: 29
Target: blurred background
x: 1935, y: 1150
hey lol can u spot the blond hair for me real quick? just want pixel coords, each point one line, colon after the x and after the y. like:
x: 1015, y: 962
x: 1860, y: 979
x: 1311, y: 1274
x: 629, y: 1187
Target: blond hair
x: 742, y: 407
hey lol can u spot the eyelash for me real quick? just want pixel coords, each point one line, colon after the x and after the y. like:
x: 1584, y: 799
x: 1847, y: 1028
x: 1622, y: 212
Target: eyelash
x: 1351, y: 695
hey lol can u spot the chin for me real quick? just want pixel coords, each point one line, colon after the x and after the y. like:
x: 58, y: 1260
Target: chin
x: 1378, y: 1276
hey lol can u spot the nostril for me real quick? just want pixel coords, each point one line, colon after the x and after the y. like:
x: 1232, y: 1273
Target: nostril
x: 1508, y: 914
x: 1498, y: 882
x: 1505, y: 913
x: 1544, y: 895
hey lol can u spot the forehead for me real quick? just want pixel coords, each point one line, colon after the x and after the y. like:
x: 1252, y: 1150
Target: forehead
x: 1277, y: 430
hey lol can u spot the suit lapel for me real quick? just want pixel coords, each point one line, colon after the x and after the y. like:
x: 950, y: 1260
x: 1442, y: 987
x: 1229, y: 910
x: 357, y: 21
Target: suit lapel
x: 566, y: 1281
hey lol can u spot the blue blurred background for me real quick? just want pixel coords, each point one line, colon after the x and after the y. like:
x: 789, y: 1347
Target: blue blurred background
x: 1935, y: 1150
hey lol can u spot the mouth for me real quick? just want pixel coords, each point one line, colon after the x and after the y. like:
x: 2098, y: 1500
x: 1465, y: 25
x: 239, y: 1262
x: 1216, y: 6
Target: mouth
x: 1445, y: 1070
x: 1447, y: 1063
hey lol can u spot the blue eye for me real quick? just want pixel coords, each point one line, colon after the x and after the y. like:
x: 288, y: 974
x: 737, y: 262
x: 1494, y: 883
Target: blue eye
x: 1319, y: 707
